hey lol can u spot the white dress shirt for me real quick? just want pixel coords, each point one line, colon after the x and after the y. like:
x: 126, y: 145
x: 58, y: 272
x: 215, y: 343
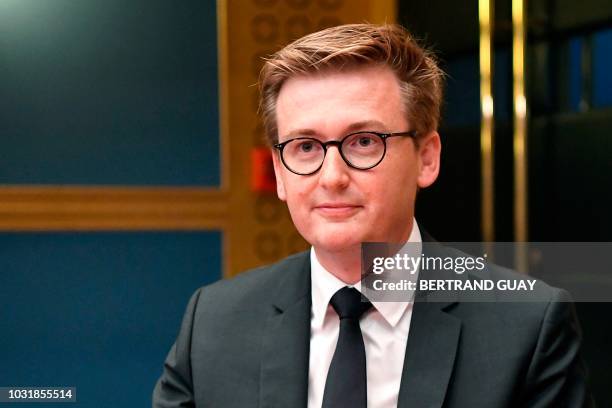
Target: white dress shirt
x: 384, y: 329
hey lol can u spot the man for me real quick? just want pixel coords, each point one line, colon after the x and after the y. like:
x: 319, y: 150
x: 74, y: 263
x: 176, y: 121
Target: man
x: 352, y: 113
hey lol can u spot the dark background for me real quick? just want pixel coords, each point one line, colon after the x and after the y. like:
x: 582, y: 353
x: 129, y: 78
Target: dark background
x: 569, y: 93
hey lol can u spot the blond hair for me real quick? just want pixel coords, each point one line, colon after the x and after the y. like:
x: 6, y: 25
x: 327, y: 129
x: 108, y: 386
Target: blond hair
x: 351, y: 45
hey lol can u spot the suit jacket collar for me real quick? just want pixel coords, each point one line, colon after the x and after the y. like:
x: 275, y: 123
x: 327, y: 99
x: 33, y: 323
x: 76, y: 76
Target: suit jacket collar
x: 432, y: 341
x: 286, y: 343
x: 430, y: 355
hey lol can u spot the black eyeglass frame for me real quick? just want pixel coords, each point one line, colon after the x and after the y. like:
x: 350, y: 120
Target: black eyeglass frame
x: 338, y: 143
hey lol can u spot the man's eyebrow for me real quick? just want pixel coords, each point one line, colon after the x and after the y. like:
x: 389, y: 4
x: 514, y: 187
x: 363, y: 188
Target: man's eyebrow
x: 301, y: 132
x: 366, y: 125
x: 373, y: 125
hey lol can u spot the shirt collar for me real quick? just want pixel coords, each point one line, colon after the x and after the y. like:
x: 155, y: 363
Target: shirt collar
x: 325, y: 284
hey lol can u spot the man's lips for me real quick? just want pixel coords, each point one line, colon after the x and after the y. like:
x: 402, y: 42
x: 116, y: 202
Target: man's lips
x: 337, y: 210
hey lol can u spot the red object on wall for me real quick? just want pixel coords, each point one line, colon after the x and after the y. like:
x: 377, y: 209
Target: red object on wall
x: 262, y: 171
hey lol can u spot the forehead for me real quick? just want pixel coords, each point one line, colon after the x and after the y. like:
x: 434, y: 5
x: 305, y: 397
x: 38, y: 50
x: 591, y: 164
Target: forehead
x: 330, y: 101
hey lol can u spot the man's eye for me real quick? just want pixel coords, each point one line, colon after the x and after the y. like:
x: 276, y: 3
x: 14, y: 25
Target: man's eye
x: 365, y: 141
x: 306, y: 147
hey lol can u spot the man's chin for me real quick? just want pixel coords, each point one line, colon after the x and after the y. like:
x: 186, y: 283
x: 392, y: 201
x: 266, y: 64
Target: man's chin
x: 337, y: 244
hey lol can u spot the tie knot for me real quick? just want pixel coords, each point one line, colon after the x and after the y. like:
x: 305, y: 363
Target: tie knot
x: 347, y: 302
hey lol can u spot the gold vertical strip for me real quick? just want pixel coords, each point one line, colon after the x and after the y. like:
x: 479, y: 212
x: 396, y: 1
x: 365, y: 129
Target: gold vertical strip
x: 222, y: 73
x: 520, y: 130
x: 485, y: 13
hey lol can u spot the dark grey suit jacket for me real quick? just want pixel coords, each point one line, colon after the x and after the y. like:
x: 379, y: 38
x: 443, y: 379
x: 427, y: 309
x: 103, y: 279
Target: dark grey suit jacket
x: 245, y: 342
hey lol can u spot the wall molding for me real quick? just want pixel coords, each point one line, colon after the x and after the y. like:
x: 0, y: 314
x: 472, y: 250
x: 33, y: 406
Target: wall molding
x: 80, y: 208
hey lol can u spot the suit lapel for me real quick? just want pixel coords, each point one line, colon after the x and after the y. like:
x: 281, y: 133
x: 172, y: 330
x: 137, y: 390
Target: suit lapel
x: 430, y: 356
x: 432, y: 343
x: 286, y: 342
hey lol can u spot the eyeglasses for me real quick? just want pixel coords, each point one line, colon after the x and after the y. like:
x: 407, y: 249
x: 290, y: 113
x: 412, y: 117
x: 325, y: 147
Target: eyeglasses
x: 360, y: 150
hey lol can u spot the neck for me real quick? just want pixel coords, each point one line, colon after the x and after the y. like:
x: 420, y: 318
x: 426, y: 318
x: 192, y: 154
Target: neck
x: 344, y: 265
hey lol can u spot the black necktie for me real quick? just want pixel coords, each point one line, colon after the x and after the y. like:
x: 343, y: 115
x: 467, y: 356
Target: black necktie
x: 346, y: 384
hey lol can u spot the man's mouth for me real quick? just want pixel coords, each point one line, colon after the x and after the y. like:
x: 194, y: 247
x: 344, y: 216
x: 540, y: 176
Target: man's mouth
x: 337, y: 210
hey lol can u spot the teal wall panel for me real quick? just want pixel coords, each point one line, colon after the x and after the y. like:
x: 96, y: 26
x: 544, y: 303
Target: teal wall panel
x: 98, y: 311
x: 109, y: 92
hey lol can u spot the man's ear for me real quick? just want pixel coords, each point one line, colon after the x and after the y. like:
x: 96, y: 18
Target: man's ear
x: 278, y: 168
x: 429, y: 159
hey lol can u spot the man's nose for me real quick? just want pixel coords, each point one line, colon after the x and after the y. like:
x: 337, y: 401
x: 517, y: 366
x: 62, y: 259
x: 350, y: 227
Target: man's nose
x: 334, y: 173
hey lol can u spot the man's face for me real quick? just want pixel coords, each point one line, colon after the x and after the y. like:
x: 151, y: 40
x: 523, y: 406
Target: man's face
x: 338, y: 208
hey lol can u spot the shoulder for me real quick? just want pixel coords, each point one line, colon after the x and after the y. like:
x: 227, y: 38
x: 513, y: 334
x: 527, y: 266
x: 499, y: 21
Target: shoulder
x: 533, y: 302
x: 263, y: 278
x: 250, y: 288
x: 530, y: 341
x: 539, y: 291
